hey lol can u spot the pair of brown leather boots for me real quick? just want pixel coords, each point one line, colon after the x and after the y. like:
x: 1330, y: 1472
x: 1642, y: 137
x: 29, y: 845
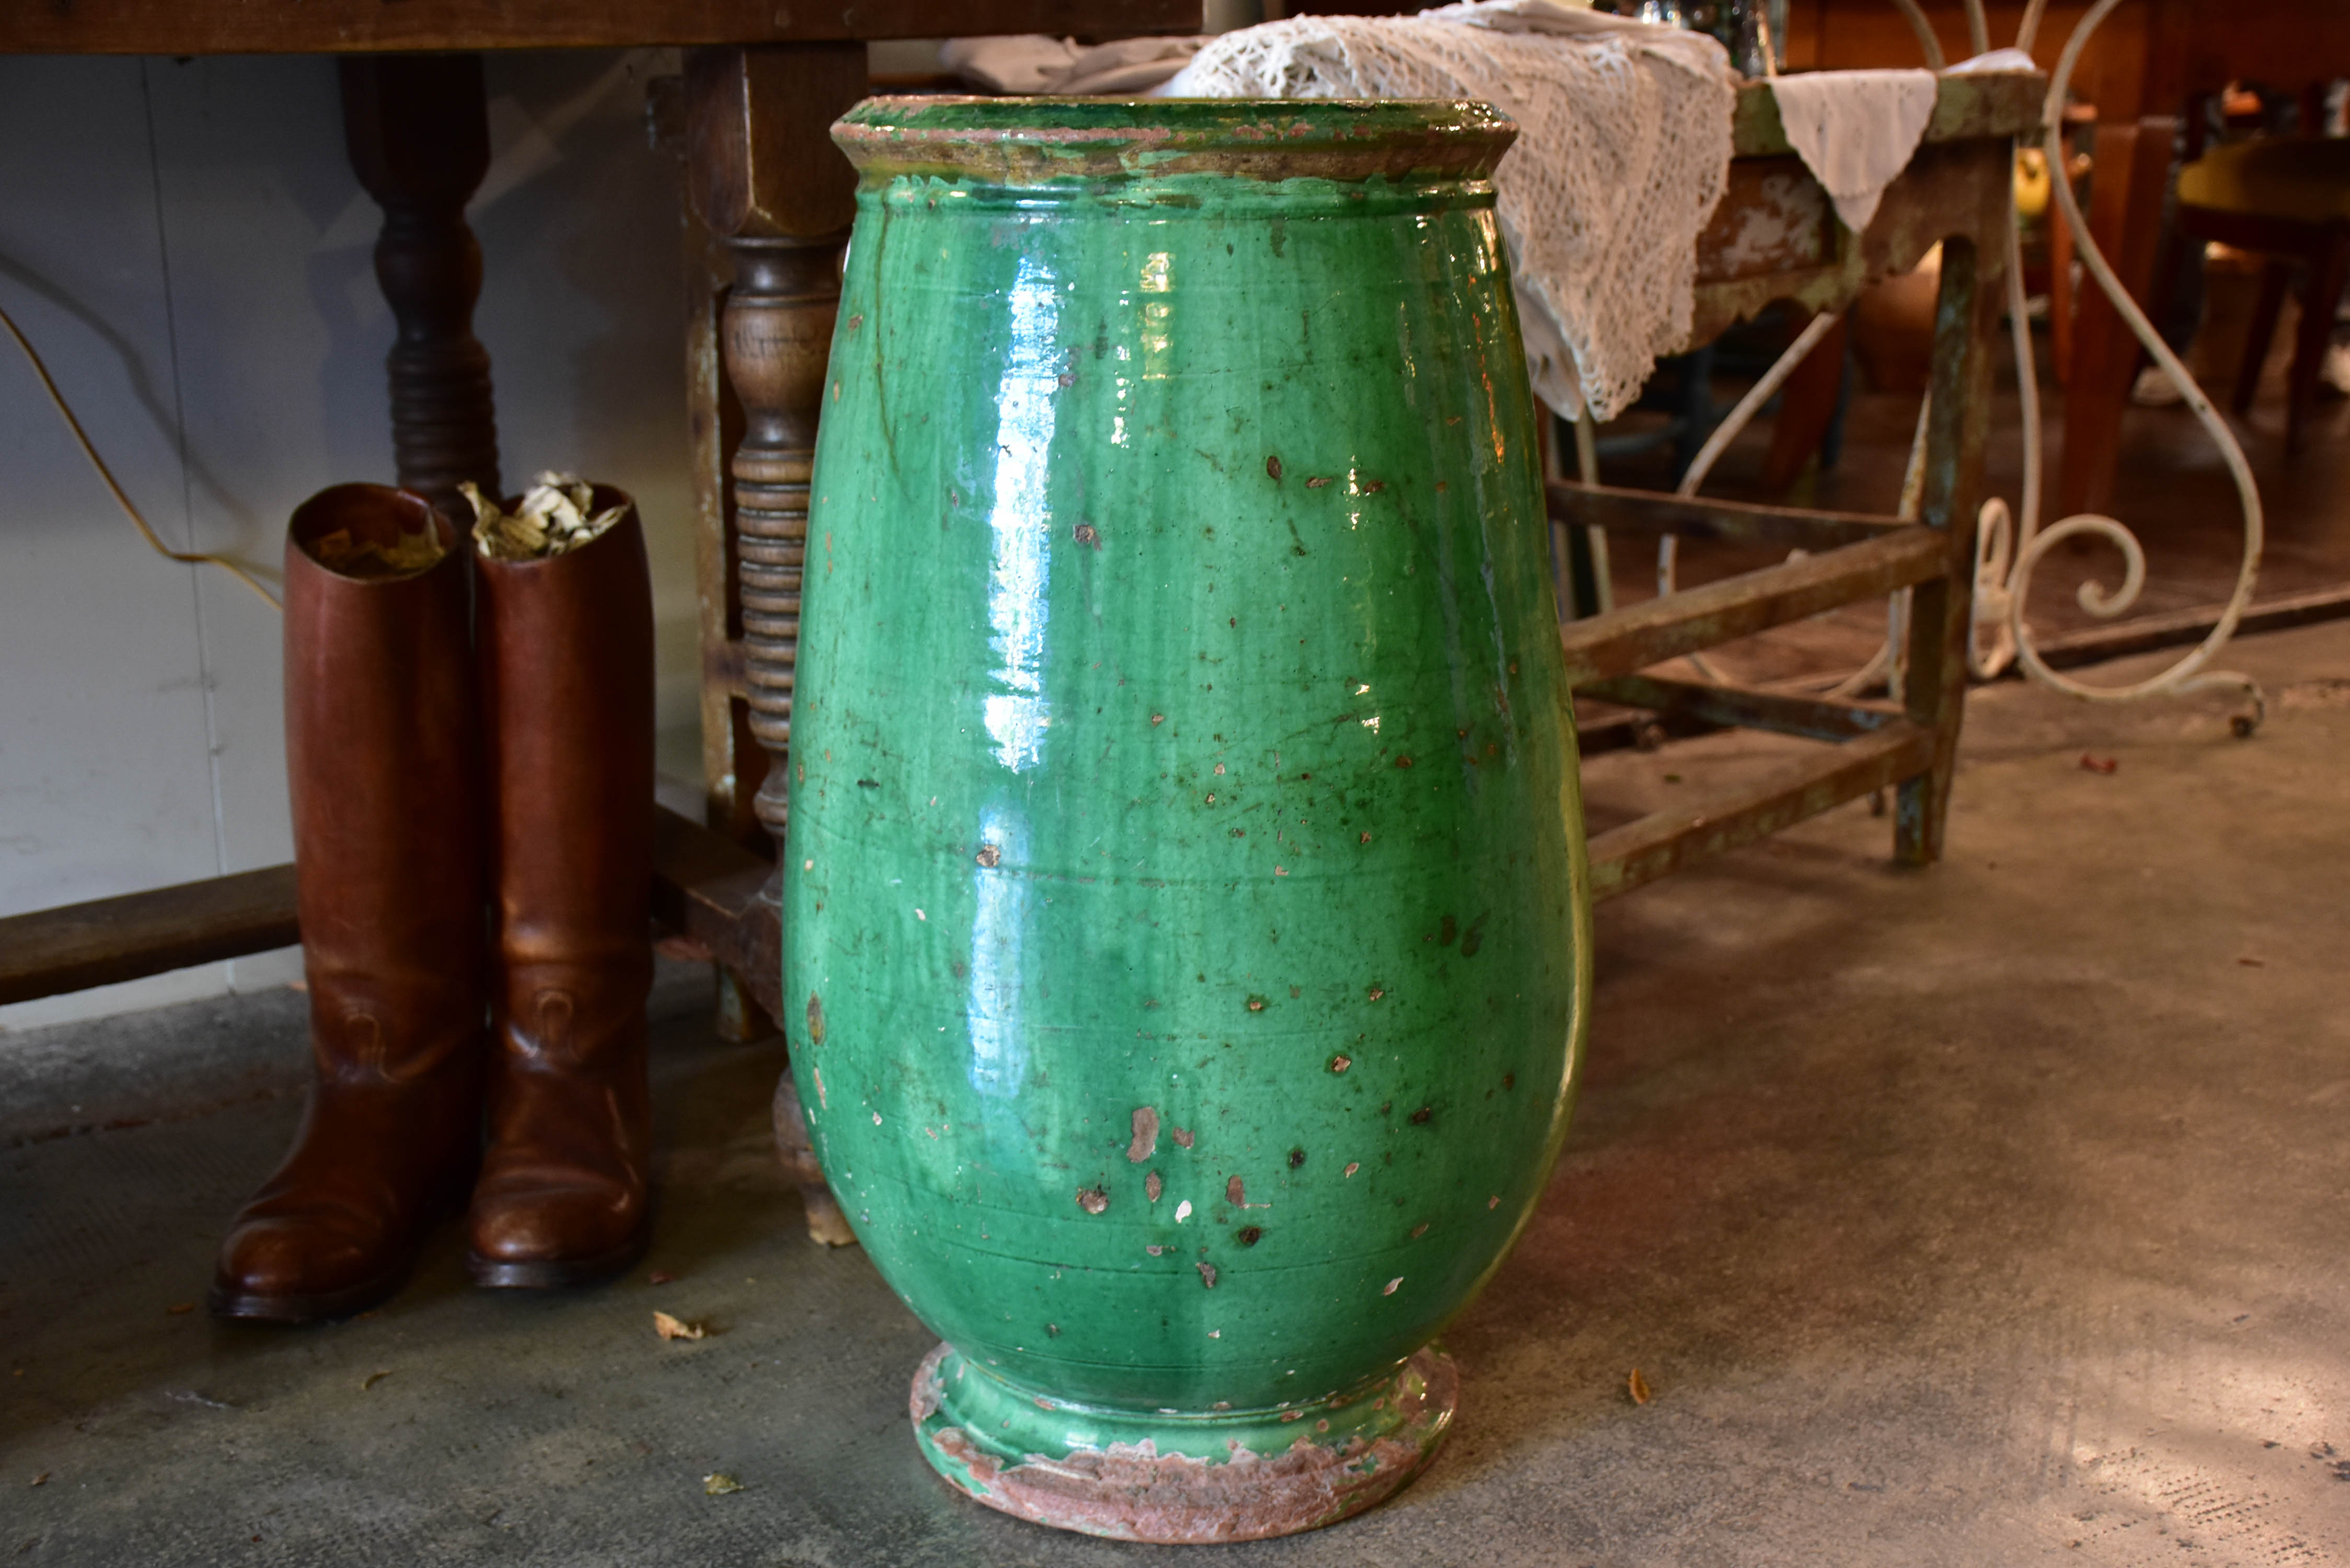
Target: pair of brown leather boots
x: 472, y: 821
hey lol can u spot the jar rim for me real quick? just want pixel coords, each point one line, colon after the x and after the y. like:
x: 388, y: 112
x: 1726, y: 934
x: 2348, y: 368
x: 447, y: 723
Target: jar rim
x: 1022, y: 141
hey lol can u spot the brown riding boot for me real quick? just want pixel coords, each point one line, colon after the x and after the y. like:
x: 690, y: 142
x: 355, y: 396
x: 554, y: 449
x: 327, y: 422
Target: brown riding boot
x: 382, y: 761
x: 567, y: 661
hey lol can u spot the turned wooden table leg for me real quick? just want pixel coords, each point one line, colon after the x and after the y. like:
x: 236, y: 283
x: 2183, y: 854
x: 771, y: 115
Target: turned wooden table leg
x: 733, y: 764
x: 417, y: 130
x: 765, y: 178
x: 778, y: 333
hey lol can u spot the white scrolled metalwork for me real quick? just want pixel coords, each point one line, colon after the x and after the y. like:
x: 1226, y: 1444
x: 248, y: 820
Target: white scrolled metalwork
x: 2027, y: 31
x: 2192, y: 672
x: 1978, y: 28
x: 1930, y: 45
x: 2011, y: 543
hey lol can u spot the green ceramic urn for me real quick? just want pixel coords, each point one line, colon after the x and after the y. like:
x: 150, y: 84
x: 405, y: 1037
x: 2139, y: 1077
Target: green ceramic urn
x: 1186, y: 928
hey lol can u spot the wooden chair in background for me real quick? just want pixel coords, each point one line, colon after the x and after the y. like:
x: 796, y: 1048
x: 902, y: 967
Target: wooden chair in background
x: 2287, y: 199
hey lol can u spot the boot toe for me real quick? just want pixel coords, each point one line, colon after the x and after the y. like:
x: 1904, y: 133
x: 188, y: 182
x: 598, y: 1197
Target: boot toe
x: 555, y: 1234
x: 295, y: 1267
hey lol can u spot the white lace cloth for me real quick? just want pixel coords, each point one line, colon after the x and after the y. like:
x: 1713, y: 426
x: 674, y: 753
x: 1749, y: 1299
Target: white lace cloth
x: 1856, y: 130
x: 1033, y: 63
x: 1623, y: 151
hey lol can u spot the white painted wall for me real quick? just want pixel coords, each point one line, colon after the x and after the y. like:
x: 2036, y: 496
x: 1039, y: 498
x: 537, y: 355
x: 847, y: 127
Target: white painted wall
x: 186, y: 245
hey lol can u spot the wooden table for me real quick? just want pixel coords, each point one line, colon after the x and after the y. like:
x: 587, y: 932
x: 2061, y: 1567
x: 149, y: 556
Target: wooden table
x: 1775, y: 237
x: 767, y: 183
x: 764, y: 81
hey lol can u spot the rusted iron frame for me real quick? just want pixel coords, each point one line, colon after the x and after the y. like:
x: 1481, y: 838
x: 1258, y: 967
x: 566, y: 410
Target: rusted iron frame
x: 1652, y: 513
x: 1733, y: 707
x: 1653, y: 630
x: 1623, y: 858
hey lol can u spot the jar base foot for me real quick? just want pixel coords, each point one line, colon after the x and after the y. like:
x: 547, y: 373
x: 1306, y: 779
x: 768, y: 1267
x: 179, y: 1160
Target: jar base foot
x: 1176, y: 1476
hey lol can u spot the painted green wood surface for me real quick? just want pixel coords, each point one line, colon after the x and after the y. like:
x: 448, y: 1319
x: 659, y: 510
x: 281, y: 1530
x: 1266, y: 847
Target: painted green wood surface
x: 1184, y: 884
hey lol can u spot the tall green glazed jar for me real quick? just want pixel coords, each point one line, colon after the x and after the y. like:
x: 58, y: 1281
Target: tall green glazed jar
x: 1185, y: 915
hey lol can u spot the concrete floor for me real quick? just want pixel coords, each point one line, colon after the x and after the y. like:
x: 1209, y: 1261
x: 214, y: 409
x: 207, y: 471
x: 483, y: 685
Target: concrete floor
x: 1995, y: 1214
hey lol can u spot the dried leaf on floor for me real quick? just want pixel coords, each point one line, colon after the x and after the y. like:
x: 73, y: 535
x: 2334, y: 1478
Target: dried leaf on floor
x: 2099, y: 764
x: 826, y: 1222
x: 178, y: 1309
x: 1637, y: 1386
x: 41, y: 1480
x: 373, y: 1379
x: 670, y: 1328
x: 718, y: 1483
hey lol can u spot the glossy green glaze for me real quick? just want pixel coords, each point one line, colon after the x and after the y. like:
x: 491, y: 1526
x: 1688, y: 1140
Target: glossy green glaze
x: 1184, y: 906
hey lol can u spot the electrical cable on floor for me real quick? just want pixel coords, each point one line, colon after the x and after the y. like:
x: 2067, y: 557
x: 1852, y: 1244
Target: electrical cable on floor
x: 187, y: 558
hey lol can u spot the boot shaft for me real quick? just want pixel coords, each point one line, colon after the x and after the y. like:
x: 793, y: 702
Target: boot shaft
x: 384, y: 759
x: 566, y: 651
x: 566, y: 685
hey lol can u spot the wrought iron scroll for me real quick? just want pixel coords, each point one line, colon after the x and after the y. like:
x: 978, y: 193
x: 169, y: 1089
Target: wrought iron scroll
x: 2011, y: 544
x: 2002, y: 598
